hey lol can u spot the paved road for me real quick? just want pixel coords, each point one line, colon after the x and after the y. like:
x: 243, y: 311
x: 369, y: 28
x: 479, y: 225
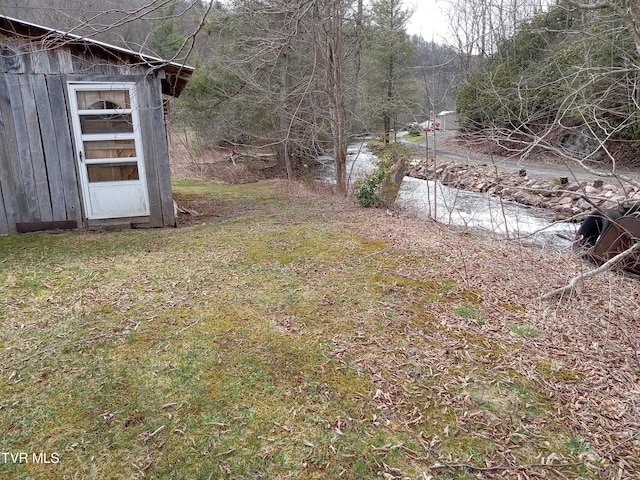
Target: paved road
x: 533, y: 168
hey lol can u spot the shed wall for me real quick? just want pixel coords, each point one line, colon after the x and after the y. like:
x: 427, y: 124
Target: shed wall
x: 38, y: 172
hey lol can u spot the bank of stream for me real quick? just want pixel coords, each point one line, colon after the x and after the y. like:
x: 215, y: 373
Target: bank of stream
x: 432, y: 199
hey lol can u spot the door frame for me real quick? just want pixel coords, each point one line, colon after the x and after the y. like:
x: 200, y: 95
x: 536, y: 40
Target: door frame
x: 88, y: 188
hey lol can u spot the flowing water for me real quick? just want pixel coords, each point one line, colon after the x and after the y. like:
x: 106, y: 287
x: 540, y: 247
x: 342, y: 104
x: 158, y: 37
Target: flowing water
x: 431, y: 199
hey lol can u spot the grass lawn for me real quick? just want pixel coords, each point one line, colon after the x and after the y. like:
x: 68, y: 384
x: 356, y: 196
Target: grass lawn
x: 287, y: 334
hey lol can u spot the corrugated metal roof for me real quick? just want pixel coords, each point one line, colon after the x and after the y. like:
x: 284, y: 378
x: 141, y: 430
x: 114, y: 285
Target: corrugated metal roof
x: 178, y: 74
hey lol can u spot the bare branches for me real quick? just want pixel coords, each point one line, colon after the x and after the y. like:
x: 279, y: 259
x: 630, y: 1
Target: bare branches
x: 608, y: 265
x: 565, y: 86
x: 331, y: 44
x: 111, y: 22
x: 479, y: 25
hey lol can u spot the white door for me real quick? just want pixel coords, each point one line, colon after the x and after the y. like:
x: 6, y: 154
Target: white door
x: 109, y: 147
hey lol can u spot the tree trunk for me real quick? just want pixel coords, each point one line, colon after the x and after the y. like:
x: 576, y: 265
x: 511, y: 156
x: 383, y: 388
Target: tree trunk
x: 284, y: 149
x: 333, y: 18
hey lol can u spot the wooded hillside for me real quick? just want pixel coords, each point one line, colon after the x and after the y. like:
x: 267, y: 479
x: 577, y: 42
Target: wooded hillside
x: 566, y: 83
x: 297, y: 77
x: 280, y: 75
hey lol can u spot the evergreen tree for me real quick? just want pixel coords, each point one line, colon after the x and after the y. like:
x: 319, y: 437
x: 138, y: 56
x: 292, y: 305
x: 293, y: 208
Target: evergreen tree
x: 167, y: 37
x: 388, y: 55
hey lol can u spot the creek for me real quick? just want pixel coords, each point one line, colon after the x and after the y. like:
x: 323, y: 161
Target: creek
x: 428, y: 199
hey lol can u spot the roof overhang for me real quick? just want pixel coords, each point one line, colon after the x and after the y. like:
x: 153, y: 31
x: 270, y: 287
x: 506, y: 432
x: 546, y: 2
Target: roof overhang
x: 176, y: 75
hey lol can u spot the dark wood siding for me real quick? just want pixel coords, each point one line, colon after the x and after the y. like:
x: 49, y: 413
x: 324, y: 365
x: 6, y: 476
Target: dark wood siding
x: 62, y: 129
x: 155, y: 143
x: 12, y: 198
x: 38, y: 171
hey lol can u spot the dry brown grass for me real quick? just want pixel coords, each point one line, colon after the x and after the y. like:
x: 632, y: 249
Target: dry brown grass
x: 581, y: 350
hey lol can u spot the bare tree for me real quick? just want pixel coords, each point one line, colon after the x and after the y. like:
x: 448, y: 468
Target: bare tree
x: 478, y: 26
x: 129, y: 26
x: 331, y: 16
x: 260, y: 83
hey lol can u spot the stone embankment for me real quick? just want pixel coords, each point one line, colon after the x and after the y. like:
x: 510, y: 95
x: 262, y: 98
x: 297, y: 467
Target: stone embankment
x: 561, y: 195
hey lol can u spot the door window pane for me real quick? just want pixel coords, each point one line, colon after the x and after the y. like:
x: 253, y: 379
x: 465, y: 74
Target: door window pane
x: 103, y: 100
x: 107, y: 123
x: 110, y: 149
x: 112, y: 172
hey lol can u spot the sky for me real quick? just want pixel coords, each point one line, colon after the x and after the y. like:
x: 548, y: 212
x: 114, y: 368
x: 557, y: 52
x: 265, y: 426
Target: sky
x: 429, y: 19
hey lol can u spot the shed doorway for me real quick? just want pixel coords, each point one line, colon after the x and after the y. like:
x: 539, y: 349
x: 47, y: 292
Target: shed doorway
x: 108, y: 143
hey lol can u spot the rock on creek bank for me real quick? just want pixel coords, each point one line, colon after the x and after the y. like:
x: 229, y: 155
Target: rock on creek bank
x: 560, y: 195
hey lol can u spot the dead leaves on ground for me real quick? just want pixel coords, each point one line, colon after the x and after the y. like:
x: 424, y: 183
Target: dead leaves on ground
x: 529, y: 374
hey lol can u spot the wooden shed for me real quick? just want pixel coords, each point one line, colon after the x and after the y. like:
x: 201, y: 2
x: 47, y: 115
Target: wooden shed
x: 82, y: 132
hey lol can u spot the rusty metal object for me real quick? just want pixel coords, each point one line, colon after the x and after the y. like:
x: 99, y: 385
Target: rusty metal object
x: 605, y: 234
x: 618, y: 237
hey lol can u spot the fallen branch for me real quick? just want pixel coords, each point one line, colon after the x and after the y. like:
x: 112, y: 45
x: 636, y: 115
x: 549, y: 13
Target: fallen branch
x: 615, y: 447
x: 187, y: 327
x: 608, y: 265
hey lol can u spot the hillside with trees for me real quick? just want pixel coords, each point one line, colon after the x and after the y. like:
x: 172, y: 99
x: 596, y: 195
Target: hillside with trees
x: 565, y: 83
x: 301, y: 78
x: 294, y: 78
x: 285, y: 332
